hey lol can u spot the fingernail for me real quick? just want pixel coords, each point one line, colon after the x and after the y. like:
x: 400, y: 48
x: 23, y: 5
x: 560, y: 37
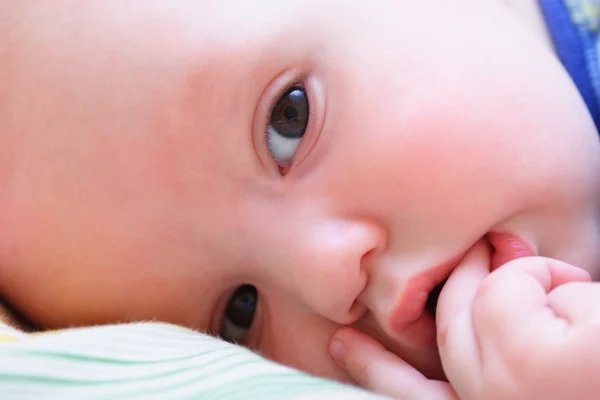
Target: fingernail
x: 338, y: 351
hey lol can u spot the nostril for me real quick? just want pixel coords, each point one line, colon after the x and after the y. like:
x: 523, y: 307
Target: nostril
x: 366, y: 262
x: 432, y: 299
x: 357, y: 311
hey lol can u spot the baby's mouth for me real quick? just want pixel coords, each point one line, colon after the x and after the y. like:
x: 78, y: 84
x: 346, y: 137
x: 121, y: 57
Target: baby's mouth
x: 413, y: 317
x: 432, y: 299
x: 505, y: 247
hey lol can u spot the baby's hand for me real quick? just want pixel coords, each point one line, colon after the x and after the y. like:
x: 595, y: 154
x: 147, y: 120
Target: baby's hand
x: 375, y: 368
x: 529, y: 330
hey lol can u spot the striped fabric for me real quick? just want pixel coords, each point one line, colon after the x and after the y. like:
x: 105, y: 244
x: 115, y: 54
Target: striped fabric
x: 147, y: 361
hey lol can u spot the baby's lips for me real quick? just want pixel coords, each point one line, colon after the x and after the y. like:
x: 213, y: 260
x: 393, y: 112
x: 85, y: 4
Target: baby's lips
x: 508, y: 247
x: 410, y: 318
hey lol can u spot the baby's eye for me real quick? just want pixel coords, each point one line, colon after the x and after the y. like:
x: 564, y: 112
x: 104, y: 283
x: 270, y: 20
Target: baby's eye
x: 239, y: 314
x: 287, y: 125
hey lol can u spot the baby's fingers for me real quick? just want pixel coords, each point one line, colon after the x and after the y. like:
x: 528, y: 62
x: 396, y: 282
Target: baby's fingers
x: 513, y: 301
x: 376, y: 369
x: 577, y: 303
x: 457, y: 339
x: 483, y: 317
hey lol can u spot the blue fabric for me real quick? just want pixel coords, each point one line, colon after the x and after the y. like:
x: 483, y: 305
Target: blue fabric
x: 573, y: 26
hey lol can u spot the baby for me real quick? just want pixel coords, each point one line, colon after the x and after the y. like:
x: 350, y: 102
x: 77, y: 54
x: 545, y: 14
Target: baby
x: 273, y: 171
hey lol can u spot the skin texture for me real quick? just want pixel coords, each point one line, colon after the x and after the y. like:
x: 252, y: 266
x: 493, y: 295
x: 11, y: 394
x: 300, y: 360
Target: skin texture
x: 135, y: 183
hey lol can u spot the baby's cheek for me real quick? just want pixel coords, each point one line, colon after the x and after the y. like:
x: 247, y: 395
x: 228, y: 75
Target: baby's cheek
x: 290, y: 336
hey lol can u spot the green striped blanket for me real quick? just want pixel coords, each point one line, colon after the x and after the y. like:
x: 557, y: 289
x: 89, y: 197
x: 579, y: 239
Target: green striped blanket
x: 147, y: 361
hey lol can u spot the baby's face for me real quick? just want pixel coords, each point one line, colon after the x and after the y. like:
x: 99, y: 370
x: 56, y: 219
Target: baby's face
x: 157, y: 155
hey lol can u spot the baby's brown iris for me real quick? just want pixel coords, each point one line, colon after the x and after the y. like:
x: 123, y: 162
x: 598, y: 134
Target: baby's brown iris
x: 290, y: 114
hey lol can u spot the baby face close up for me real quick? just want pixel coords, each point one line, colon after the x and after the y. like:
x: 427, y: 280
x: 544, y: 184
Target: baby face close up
x: 272, y: 170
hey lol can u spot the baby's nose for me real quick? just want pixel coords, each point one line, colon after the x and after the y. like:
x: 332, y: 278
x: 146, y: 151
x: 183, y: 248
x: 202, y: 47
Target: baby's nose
x: 333, y: 267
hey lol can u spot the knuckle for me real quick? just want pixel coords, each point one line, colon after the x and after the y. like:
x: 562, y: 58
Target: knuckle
x: 527, y: 263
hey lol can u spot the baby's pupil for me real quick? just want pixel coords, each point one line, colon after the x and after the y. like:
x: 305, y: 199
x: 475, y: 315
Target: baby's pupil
x: 290, y: 114
x: 242, y: 306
